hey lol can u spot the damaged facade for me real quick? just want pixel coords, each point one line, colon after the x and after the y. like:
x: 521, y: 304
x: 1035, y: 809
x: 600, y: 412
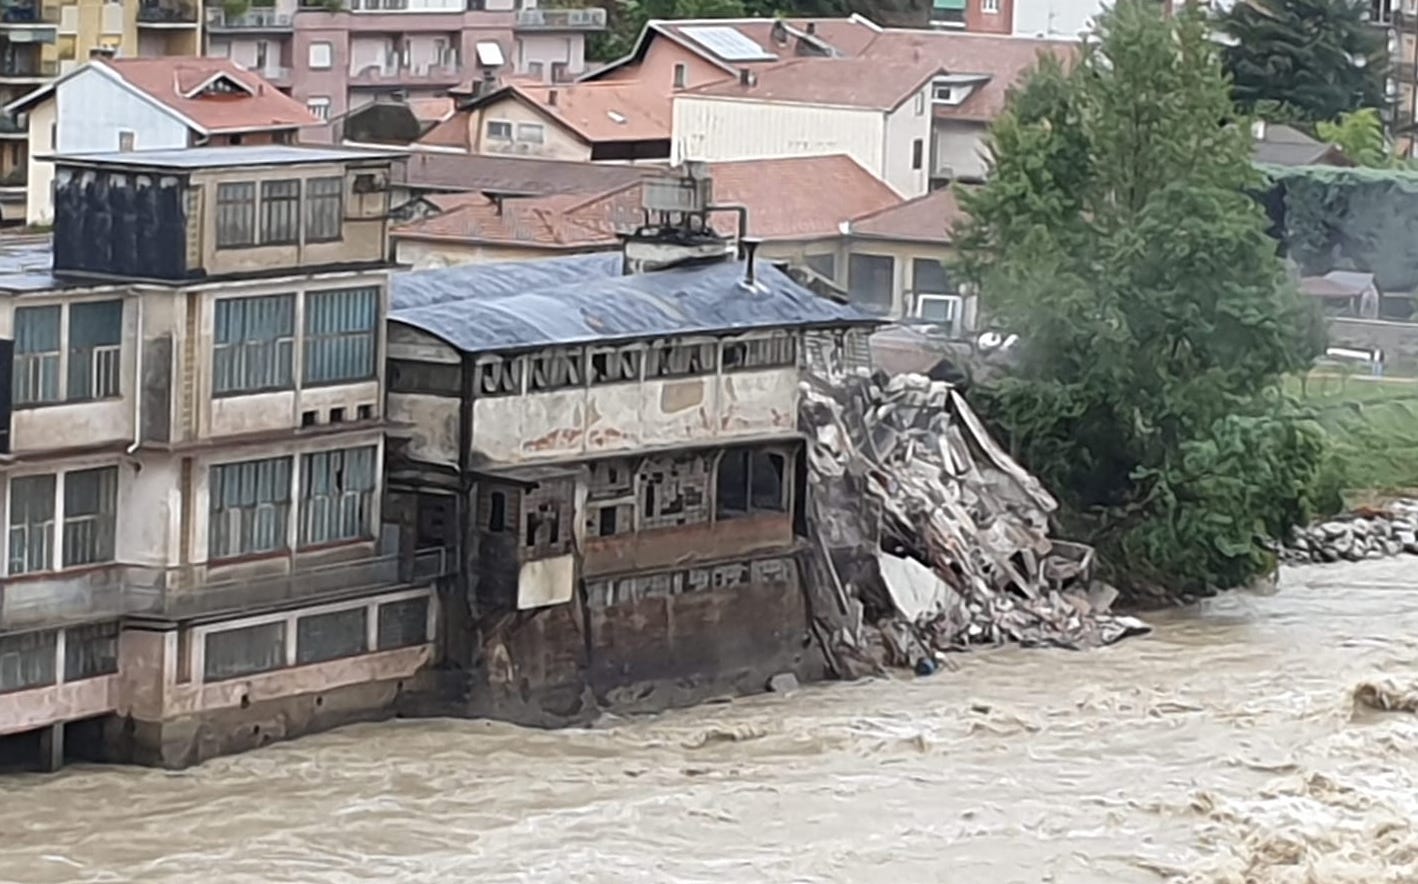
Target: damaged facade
x: 617, y: 459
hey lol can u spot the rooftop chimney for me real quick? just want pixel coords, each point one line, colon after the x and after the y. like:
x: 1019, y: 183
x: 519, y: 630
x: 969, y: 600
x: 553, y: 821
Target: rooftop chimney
x: 101, y: 52
x: 747, y: 77
x: 780, y: 32
x: 750, y: 272
x: 811, y: 27
x: 551, y: 97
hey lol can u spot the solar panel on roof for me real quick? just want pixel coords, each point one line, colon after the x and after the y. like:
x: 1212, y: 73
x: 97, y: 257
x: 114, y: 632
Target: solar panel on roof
x: 727, y: 43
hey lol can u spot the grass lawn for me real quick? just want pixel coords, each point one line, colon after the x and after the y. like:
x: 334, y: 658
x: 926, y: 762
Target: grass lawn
x: 1373, y: 424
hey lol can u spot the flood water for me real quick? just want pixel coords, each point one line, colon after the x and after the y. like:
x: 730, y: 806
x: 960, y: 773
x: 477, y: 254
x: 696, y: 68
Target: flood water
x: 1225, y: 747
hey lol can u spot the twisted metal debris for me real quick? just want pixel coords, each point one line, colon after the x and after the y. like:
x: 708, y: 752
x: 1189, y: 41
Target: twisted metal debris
x: 932, y: 534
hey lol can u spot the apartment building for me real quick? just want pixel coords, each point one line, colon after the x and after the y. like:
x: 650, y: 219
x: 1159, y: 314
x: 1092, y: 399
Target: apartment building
x: 196, y: 560
x: 622, y: 454
x: 43, y: 39
x: 148, y: 104
x: 333, y: 58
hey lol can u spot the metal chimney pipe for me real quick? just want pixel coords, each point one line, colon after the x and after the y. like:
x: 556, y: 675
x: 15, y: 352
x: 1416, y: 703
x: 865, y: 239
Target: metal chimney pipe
x: 750, y: 272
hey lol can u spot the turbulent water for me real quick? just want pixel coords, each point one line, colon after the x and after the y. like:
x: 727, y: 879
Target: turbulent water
x: 1226, y: 747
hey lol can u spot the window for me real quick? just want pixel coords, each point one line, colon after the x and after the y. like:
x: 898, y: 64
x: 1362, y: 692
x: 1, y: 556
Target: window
x: 871, y: 281
x: 36, y: 364
x: 90, y: 511
x: 95, y: 342
x: 920, y: 103
x: 764, y: 352
x: 403, y: 624
x: 340, y: 328
x: 90, y: 651
x: 319, y: 106
x: 125, y: 140
x: 497, y: 512
x: 253, y: 344
x: 322, y: 637
x: 321, y: 56
x: 280, y: 211
x: 27, y: 660
x: 336, y: 495
x: 918, y: 154
x: 824, y: 266
x: 989, y: 7
x: 324, y: 208
x: 233, y: 653
x: 929, y: 277
x: 236, y: 214
x: 681, y: 359
x: 681, y: 76
x: 555, y: 369
x: 250, y: 505
x: 615, y: 366
x: 31, y: 523
x: 674, y: 491
x: 499, y: 377
x: 530, y: 133
x: 499, y: 130
x: 749, y: 481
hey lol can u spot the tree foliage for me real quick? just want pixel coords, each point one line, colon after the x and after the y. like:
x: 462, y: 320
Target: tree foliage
x: 1313, y: 59
x: 1116, y: 238
x: 1360, y: 134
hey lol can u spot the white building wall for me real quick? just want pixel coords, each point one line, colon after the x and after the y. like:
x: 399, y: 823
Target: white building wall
x: 568, y: 49
x: 717, y: 130
x: 1054, y: 18
x: 909, y: 123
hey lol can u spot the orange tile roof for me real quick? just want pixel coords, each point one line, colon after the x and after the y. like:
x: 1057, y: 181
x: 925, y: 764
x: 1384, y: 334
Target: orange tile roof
x: 431, y: 109
x: 927, y: 218
x: 862, y: 82
x: 173, y: 80
x: 452, y: 131
x: 558, y: 221
x: 795, y: 198
x: 1003, y: 59
x: 798, y: 197
x: 610, y: 111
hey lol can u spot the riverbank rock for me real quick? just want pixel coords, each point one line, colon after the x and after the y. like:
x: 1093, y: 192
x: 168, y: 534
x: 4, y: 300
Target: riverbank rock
x: 1370, y: 533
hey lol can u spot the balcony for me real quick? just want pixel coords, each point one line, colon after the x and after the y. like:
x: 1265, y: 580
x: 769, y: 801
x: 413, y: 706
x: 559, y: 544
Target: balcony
x: 254, y: 20
x: 27, y: 70
x: 167, y: 14
x: 590, y: 19
x: 12, y: 127
x: 274, y: 74
x: 127, y: 590
x: 29, y: 22
x: 434, y: 75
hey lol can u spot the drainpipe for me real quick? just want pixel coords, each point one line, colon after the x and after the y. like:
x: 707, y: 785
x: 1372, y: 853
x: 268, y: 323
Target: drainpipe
x: 138, y: 381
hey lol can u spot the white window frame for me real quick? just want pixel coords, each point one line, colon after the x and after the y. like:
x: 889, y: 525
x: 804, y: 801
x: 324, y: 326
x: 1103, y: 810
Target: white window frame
x: 319, y: 105
x: 989, y: 7
x: 326, y: 51
x: 955, y: 305
x: 500, y: 124
x: 524, y: 131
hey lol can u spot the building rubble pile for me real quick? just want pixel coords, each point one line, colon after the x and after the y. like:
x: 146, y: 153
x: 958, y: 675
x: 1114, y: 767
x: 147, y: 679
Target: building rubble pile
x: 904, y: 470
x: 1371, y: 533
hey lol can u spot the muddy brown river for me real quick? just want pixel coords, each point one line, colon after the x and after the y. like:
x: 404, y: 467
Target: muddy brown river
x: 1225, y: 747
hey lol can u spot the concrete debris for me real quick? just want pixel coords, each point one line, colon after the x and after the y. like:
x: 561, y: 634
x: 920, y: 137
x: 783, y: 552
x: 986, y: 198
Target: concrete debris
x: 938, y: 534
x: 1369, y: 533
x: 783, y: 683
x: 1385, y: 696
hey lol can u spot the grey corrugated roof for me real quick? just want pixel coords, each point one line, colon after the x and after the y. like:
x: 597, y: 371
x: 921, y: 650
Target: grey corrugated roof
x: 226, y: 157
x: 481, y: 308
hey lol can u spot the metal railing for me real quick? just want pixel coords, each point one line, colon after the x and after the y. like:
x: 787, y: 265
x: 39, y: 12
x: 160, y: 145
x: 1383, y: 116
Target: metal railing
x: 395, y: 75
x: 24, y: 67
x: 589, y: 19
x: 29, y: 14
x: 251, y: 19
x: 128, y: 590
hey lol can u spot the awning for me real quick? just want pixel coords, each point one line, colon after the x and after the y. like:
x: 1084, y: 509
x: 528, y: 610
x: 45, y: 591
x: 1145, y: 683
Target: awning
x: 948, y: 4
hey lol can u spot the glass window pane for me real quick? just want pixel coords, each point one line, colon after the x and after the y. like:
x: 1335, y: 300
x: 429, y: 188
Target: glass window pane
x: 340, y: 335
x: 871, y: 281
x: 31, y: 523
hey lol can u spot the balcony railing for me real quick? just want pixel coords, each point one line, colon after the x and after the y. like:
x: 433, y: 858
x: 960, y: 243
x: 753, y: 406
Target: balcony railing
x: 414, y: 75
x: 590, y: 19
x: 14, y: 127
x: 250, y: 20
x: 124, y: 590
x: 167, y: 12
x: 28, y: 14
x: 20, y: 67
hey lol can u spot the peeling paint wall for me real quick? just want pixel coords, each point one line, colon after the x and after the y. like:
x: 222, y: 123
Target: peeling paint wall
x: 629, y: 416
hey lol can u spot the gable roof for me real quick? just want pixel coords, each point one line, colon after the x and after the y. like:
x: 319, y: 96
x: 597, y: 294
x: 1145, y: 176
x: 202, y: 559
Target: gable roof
x: 1282, y: 145
x: 559, y: 221
x: 179, y: 84
x: 461, y: 172
x: 927, y: 218
x: 593, y: 112
x: 868, y: 83
x: 488, y: 307
x: 845, y: 35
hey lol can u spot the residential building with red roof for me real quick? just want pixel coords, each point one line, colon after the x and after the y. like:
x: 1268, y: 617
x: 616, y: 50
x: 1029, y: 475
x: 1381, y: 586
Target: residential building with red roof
x: 150, y: 104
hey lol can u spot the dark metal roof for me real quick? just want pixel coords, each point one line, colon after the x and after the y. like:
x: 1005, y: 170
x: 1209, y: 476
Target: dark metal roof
x: 187, y: 158
x: 514, y: 306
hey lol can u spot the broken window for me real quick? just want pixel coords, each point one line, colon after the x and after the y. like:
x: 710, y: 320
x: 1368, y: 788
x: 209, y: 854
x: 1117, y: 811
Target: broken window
x: 497, y: 512
x: 670, y: 359
x: 767, y: 352
x: 674, y: 491
x: 499, y: 377
x: 615, y: 366
x: 543, y: 529
x: 750, y: 482
x: 610, y: 499
x: 555, y: 369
